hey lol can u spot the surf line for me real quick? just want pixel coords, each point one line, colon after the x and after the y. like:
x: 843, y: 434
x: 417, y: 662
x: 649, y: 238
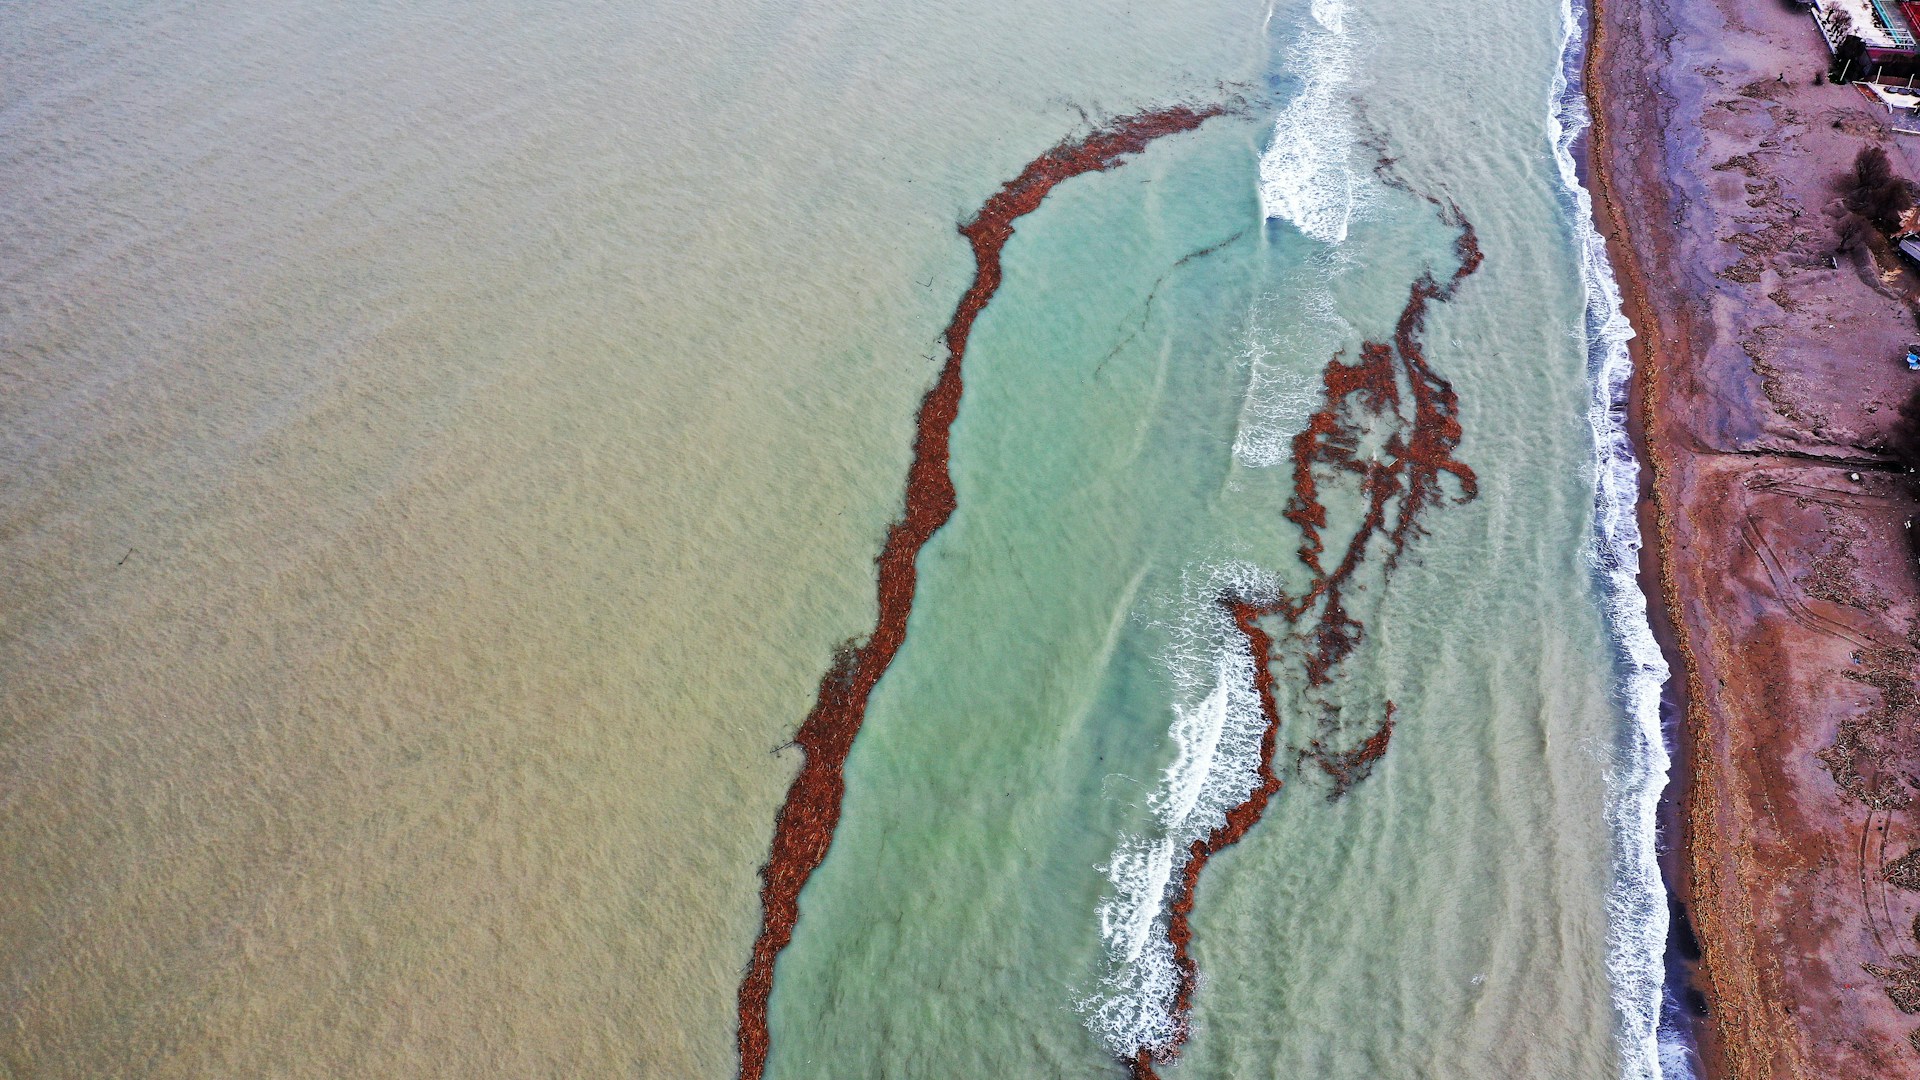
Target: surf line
x: 1417, y: 453
x: 804, y: 829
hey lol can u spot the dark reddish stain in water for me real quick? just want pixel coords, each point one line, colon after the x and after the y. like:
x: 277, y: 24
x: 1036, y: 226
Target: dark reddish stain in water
x: 1349, y: 767
x: 804, y: 830
x: 1404, y: 480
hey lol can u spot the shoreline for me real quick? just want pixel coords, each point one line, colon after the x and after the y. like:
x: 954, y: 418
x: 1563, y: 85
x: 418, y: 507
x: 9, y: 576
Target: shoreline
x: 1776, y: 572
x: 1674, y: 695
x: 1653, y: 557
x: 1652, y: 969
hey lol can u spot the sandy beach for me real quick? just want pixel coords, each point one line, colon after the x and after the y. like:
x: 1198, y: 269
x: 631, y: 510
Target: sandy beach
x: 1769, y: 374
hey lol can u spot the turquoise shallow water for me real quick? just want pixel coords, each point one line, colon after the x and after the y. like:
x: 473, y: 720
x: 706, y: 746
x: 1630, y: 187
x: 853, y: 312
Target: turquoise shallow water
x: 1115, y: 457
x: 441, y: 446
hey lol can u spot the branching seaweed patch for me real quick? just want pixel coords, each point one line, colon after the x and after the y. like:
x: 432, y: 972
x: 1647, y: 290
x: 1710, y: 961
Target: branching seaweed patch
x: 1392, y: 384
x: 1349, y: 767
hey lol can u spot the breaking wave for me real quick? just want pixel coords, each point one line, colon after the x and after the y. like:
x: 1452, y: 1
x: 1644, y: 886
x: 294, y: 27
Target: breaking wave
x: 1306, y: 173
x: 1281, y: 394
x: 1217, y: 728
x: 1637, y: 923
x: 1307, y: 178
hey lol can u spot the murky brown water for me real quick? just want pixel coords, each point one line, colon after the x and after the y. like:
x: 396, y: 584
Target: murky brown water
x: 439, y: 447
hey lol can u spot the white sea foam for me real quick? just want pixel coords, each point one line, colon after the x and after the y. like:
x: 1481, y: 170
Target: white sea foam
x: 1280, y: 394
x: 1216, y: 730
x: 1306, y: 173
x: 1306, y: 178
x: 1637, y: 907
x: 1331, y: 14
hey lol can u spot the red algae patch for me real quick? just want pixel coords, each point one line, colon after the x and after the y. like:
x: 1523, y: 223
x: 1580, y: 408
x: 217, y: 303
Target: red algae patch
x: 804, y: 829
x: 1399, y: 483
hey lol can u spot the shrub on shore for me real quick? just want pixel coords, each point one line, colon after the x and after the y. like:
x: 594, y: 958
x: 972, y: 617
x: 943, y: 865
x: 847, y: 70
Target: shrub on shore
x: 1872, y: 191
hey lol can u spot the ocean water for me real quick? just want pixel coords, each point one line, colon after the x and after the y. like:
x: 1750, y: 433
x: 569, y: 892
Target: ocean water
x: 441, y: 446
x: 1070, y: 711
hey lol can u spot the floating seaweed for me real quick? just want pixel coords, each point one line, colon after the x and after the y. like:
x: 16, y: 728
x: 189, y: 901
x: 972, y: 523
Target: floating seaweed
x: 1418, y: 453
x: 804, y: 829
x: 1349, y: 767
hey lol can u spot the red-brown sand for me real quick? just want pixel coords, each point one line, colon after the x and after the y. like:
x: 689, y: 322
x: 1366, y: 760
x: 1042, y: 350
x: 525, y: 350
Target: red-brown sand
x: 1768, y: 375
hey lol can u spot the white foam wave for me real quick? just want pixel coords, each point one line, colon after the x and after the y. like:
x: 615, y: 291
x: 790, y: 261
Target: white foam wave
x: 1637, y: 908
x: 1306, y: 173
x: 1217, y: 729
x: 1280, y: 394
x: 1306, y: 178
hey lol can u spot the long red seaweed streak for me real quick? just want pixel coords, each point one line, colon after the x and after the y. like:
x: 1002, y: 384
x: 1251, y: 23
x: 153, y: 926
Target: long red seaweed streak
x: 804, y: 830
x: 1418, y: 452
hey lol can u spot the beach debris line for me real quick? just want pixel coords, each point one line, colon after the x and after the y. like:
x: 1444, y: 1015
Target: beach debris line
x: 1398, y: 484
x: 1904, y: 872
x: 804, y: 828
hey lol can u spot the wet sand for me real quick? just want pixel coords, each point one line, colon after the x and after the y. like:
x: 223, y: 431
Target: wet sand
x: 1769, y: 373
